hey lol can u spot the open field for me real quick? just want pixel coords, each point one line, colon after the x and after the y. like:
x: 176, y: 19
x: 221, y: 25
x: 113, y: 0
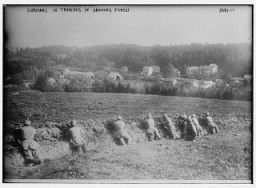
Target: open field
x: 224, y: 156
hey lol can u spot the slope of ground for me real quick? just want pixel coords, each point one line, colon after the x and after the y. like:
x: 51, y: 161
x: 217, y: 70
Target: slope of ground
x: 222, y: 156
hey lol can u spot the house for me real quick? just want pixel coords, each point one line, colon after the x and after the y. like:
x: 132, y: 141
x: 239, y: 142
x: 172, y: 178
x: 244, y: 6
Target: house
x: 147, y: 71
x: 192, y: 70
x: 115, y: 76
x: 175, y: 72
x: 68, y: 73
x: 202, y: 71
x: 156, y: 69
x: 214, y: 68
x: 205, y: 71
x: 236, y: 81
x: 248, y: 77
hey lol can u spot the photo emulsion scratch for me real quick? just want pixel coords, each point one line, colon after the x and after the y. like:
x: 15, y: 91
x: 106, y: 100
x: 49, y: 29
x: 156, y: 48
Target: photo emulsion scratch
x: 127, y: 94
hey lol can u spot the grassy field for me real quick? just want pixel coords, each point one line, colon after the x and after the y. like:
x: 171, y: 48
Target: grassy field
x: 224, y: 156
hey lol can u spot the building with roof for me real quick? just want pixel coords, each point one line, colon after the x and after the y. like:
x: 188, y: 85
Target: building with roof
x: 175, y: 72
x: 202, y: 71
x: 248, y: 77
x: 237, y: 79
x: 115, y: 76
x: 147, y: 71
x: 214, y: 68
x: 236, y: 82
x: 68, y: 73
x: 156, y: 69
x: 192, y: 70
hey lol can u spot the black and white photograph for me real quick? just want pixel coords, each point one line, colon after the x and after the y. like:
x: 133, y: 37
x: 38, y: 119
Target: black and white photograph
x: 126, y: 93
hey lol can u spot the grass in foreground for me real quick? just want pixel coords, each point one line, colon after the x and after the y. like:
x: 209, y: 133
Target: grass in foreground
x: 224, y: 156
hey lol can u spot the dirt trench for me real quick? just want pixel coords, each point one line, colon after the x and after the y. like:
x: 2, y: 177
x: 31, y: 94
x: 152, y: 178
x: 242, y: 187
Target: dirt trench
x: 52, y: 136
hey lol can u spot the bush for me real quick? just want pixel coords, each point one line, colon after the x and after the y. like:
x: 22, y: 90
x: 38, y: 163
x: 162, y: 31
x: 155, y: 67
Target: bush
x: 98, y: 86
x: 57, y: 88
x: 79, y: 85
x: 42, y: 83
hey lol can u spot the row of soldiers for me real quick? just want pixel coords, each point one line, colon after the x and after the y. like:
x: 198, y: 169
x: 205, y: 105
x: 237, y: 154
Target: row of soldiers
x: 189, y: 125
x: 191, y: 129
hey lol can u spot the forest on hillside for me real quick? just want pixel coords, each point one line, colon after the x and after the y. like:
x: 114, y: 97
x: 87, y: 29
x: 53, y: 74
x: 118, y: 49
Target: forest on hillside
x: 232, y: 59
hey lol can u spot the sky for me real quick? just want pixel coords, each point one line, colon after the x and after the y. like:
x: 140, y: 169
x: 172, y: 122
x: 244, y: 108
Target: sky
x: 142, y: 25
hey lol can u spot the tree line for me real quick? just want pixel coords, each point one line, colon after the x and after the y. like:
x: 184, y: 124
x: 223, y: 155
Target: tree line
x: 232, y: 59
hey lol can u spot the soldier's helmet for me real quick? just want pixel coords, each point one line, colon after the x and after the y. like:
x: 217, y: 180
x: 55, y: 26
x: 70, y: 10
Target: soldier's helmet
x: 149, y: 116
x: 207, y: 113
x: 73, y: 122
x: 27, y: 122
x: 119, y: 118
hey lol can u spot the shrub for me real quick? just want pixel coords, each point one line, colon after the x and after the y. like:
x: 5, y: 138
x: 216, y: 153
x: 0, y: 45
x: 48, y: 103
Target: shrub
x: 42, y: 83
x: 79, y: 85
x: 98, y: 86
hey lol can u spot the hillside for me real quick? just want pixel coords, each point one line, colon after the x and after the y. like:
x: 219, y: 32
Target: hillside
x: 224, y: 156
x: 234, y: 59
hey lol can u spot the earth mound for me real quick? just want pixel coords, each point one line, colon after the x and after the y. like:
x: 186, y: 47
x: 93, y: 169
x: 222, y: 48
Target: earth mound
x: 52, y: 137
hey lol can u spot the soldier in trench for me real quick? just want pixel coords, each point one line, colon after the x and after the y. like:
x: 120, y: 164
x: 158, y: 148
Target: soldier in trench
x: 29, y: 146
x: 169, y: 125
x: 198, y: 126
x: 119, y: 131
x: 210, y: 123
x: 151, y: 131
x: 190, y: 130
x: 187, y: 127
x: 77, y: 143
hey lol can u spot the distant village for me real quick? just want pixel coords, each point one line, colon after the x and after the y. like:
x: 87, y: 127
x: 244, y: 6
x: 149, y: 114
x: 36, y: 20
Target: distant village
x: 198, y: 79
